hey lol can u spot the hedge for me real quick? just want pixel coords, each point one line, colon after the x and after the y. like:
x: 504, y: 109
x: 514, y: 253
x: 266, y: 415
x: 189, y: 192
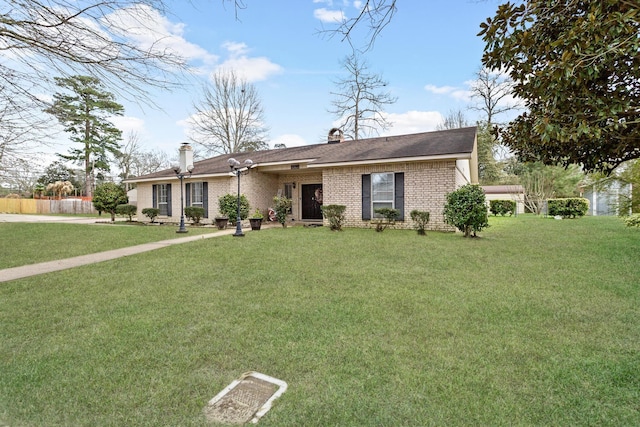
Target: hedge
x: 502, y: 207
x: 568, y: 208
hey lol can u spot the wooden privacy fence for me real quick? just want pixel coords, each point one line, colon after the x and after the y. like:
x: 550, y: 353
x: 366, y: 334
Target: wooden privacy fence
x: 43, y: 206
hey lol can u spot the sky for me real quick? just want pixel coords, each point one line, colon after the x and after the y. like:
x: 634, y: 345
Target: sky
x: 428, y: 54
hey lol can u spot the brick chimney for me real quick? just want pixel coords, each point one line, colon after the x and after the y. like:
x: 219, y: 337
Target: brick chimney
x: 336, y: 136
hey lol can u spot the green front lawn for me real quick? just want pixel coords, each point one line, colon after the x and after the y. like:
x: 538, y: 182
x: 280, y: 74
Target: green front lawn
x: 535, y: 323
x: 26, y: 243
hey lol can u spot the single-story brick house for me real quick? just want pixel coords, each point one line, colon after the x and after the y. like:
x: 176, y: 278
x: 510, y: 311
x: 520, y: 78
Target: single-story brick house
x: 405, y: 172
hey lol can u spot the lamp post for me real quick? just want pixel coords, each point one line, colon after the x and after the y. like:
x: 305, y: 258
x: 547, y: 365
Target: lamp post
x: 237, y: 169
x: 186, y: 166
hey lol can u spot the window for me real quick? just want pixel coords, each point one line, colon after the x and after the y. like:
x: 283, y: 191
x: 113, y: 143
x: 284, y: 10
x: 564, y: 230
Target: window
x: 382, y: 194
x: 382, y: 190
x: 162, y: 199
x: 288, y: 193
x: 288, y: 190
x: 196, y: 194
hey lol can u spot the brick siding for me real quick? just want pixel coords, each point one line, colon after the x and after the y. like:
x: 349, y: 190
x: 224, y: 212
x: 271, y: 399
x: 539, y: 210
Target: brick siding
x: 425, y: 187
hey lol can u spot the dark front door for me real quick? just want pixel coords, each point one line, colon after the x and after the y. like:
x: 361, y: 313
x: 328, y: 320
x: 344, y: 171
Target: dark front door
x: 311, y: 201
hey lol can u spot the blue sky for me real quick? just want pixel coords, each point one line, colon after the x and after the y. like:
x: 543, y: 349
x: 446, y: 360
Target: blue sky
x: 428, y: 54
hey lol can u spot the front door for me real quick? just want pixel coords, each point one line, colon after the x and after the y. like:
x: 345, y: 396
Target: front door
x: 311, y: 201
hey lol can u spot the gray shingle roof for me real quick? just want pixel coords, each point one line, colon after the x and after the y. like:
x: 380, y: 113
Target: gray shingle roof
x: 454, y: 142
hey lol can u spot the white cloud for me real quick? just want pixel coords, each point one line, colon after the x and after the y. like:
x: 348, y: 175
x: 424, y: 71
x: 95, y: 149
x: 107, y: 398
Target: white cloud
x: 129, y: 124
x: 452, y: 91
x: 412, y: 122
x: 440, y: 90
x: 329, y: 16
x: 249, y: 68
x: 151, y: 30
x: 289, y: 140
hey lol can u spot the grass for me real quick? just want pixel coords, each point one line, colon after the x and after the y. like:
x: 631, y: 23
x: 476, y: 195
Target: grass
x: 535, y: 323
x: 24, y: 243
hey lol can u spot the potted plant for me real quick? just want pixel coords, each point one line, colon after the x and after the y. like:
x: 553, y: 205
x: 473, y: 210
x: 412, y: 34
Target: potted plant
x: 256, y: 220
x: 221, y: 222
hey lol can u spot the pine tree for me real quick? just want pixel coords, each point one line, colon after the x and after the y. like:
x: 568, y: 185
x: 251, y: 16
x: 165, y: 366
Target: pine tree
x: 85, y: 115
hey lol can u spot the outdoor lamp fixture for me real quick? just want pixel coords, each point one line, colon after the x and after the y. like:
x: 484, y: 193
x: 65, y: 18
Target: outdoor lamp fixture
x: 238, y: 169
x: 185, y: 167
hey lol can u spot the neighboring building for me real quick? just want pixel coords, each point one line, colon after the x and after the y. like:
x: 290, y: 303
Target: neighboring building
x: 506, y: 192
x: 405, y: 172
x: 606, y: 197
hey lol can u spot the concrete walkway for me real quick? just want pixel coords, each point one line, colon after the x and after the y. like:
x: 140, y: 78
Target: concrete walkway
x: 62, y: 264
x: 56, y: 218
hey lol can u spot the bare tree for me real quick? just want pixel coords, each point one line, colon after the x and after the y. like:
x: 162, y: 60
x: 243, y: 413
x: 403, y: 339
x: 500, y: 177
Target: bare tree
x: 24, y: 129
x: 21, y: 177
x: 46, y: 38
x: 128, y: 156
x: 359, y: 100
x: 133, y: 161
x: 455, y: 119
x: 115, y: 41
x: 151, y: 161
x: 229, y: 117
x: 374, y: 16
x: 493, y: 93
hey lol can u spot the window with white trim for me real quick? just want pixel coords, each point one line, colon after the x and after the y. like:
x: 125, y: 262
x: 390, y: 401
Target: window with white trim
x: 382, y: 192
x: 162, y: 199
x: 196, y: 194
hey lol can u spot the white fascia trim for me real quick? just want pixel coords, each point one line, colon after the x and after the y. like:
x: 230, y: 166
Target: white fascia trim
x: 287, y: 162
x: 393, y: 160
x: 172, y: 178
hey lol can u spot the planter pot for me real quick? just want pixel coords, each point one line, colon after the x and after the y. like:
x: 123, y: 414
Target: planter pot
x: 221, y: 223
x: 256, y: 223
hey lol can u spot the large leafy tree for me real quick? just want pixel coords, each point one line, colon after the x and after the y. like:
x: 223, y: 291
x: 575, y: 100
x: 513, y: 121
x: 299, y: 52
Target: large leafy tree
x: 85, y: 113
x: 576, y: 65
x: 58, y: 171
x: 229, y: 116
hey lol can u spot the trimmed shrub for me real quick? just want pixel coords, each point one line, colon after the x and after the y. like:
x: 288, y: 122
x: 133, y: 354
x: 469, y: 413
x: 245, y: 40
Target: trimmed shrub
x: 420, y: 219
x: 151, y: 213
x: 126, y: 210
x: 228, y: 207
x: 632, y: 220
x: 502, y: 207
x: 108, y: 196
x: 194, y: 213
x: 389, y: 218
x: 466, y: 209
x: 568, y: 208
x: 282, y: 206
x: 335, y: 215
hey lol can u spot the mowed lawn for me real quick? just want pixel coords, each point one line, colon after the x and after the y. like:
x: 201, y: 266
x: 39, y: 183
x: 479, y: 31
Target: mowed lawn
x: 29, y: 243
x: 537, y: 322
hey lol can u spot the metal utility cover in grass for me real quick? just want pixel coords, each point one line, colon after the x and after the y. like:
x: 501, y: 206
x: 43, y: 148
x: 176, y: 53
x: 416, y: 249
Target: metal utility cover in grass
x: 245, y: 400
